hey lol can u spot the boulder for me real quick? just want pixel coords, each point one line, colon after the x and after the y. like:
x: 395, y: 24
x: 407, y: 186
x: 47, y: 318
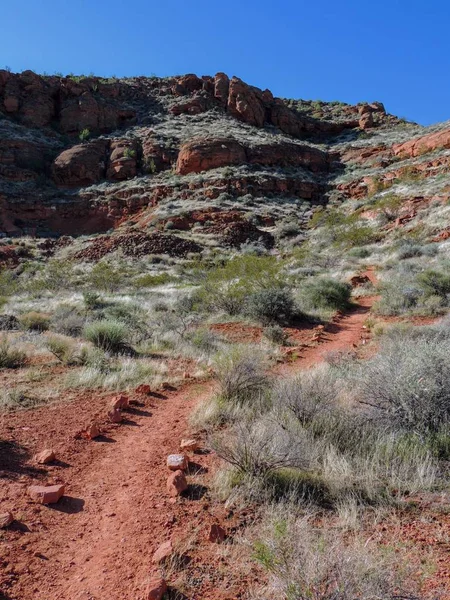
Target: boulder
x: 81, y: 165
x: 92, y: 431
x: 187, y: 84
x: 177, y: 462
x: 176, y: 483
x: 45, y: 457
x: 46, y: 494
x: 366, y: 121
x: 423, y: 144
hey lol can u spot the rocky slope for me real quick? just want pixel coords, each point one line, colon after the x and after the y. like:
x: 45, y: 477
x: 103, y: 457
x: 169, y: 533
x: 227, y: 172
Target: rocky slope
x: 202, y: 155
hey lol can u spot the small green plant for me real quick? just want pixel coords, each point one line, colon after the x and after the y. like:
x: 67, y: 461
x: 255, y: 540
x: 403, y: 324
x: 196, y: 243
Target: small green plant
x: 129, y: 153
x: 92, y: 300
x: 84, y: 135
x: 108, y: 335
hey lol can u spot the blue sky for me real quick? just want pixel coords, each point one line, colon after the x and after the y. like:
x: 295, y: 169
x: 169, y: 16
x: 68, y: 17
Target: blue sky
x: 396, y: 52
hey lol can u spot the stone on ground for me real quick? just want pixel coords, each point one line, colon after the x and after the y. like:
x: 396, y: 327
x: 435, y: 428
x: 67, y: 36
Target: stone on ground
x: 176, y: 483
x: 46, y: 494
x: 45, y: 457
x: 156, y: 589
x: 216, y: 534
x: 164, y: 552
x: 177, y: 462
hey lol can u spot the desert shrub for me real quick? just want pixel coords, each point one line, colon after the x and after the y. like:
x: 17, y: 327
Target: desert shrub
x: 271, y: 305
x: 308, y: 561
x: 204, y: 340
x: 108, y: 335
x: 152, y: 280
x: 10, y: 357
x: 407, y: 384
x: 434, y: 283
x: 288, y: 229
x: 275, y: 334
x: 62, y: 349
x: 408, y: 249
x: 92, y: 300
x: 129, y: 313
x: 356, y: 235
x: 309, y: 394
x: 35, y: 321
x: 67, y: 320
x: 105, y: 277
x: 241, y: 373
x: 227, y: 287
x: 359, y: 252
x: 325, y: 293
x: 398, y: 297
x: 261, y: 447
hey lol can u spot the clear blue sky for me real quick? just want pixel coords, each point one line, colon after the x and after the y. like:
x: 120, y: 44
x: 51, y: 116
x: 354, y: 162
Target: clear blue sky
x: 394, y: 51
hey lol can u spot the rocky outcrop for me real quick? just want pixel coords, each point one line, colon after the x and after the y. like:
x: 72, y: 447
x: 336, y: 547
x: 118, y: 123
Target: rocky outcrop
x: 69, y: 105
x: 423, y: 144
x: 245, y: 103
x: 123, y: 159
x: 204, y: 154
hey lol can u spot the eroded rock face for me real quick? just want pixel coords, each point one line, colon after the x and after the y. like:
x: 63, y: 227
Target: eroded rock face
x: 204, y: 154
x: 83, y: 164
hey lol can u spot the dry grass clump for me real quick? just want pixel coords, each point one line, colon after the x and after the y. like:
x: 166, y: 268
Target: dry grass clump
x: 11, y: 357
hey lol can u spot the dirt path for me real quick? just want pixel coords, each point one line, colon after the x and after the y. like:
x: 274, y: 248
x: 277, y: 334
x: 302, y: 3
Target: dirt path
x: 97, y: 542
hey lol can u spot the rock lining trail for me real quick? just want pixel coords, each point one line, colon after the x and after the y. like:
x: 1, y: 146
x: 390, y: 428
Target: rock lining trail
x: 97, y: 542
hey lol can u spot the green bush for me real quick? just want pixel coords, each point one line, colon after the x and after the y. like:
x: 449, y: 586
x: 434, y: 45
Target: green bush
x: 35, y: 321
x: 326, y: 294
x: 84, y: 135
x: 108, y: 335
x: 271, y: 305
x: 434, y: 283
x: 275, y: 334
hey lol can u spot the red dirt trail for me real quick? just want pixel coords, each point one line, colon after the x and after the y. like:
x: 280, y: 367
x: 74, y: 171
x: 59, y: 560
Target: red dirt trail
x: 97, y: 542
